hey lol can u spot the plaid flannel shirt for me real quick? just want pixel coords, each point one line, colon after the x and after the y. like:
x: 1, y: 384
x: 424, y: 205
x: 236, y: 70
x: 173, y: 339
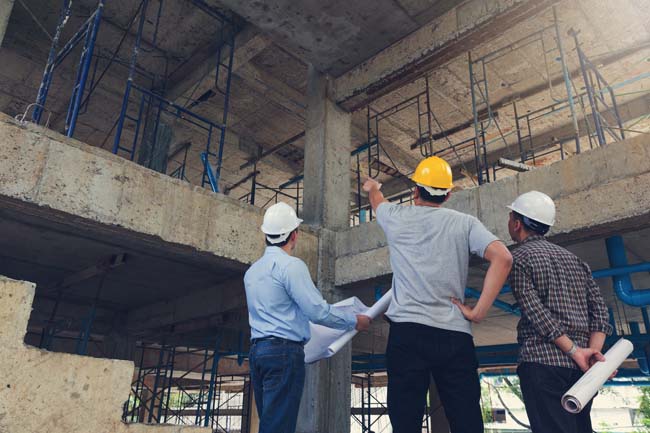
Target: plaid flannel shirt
x: 557, y: 295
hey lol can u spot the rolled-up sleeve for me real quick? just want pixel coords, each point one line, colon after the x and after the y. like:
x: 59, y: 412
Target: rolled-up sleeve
x: 598, y: 314
x: 531, y: 305
x: 305, y: 294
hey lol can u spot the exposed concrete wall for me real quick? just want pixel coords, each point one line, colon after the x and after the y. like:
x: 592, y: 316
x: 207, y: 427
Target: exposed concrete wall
x: 5, y: 12
x: 597, y: 193
x: 56, y: 392
x: 56, y: 178
x: 432, y: 45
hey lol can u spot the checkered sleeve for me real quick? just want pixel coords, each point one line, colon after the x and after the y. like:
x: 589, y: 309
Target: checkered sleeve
x: 531, y: 305
x: 598, y: 314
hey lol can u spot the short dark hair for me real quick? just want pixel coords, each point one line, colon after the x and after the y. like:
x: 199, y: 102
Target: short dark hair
x: 531, y: 225
x: 279, y: 244
x: 425, y: 196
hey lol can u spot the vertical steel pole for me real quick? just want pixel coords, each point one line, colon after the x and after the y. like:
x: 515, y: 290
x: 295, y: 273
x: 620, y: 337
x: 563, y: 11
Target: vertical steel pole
x: 88, y: 55
x: 129, y: 81
x: 567, y: 81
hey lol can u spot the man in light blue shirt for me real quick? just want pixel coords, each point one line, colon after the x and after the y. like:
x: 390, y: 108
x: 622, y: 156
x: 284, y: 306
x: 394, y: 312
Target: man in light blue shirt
x: 282, y: 300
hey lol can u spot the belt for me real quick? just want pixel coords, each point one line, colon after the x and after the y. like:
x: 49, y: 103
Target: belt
x: 278, y: 339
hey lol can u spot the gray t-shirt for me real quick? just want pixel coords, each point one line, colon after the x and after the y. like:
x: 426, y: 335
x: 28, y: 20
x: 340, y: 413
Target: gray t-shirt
x: 429, y: 254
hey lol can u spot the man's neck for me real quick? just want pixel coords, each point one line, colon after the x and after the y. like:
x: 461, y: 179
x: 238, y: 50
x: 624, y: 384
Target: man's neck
x: 523, y: 235
x: 288, y: 248
x: 420, y: 202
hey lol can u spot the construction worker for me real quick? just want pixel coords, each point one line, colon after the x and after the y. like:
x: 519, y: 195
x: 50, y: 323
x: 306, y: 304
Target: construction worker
x: 282, y: 299
x: 430, y: 249
x: 564, y: 319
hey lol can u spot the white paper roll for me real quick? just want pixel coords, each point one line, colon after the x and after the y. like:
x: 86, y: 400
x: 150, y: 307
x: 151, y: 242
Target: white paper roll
x: 373, y: 312
x: 581, y: 393
x: 326, y: 342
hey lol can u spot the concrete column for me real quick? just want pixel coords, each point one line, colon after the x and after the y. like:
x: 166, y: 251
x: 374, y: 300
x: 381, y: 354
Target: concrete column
x: 327, y: 158
x: 437, y: 417
x: 5, y: 11
x: 325, y: 405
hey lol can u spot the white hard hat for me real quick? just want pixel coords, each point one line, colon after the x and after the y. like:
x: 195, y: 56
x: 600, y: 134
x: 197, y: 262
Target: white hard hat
x: 535, y: 205
x: 279, y: 221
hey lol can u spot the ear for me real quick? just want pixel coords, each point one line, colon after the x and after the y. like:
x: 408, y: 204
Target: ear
x: 294, y: 235
x: 416, y: 193
x: 447, y: 197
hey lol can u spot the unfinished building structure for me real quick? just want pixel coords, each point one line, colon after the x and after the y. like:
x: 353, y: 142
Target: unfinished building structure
x: 141, y: 141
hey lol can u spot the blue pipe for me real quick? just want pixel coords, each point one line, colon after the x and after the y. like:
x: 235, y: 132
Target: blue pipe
x: 623, y: 283
x: 509, y: 308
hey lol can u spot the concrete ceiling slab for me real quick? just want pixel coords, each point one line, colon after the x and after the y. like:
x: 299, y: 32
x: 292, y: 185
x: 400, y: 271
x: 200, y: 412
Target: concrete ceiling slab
x: 334, y: 35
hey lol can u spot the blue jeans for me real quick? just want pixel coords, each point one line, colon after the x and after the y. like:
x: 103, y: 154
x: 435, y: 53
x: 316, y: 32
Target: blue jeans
x: 278, y: 376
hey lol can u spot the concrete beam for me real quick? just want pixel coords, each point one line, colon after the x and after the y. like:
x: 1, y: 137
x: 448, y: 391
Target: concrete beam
x: 197, y: 75
x: 5, y: 12
x: 63, y: 181
x: 443, y: 39
x: 203, y: 305
x: 597, y: 193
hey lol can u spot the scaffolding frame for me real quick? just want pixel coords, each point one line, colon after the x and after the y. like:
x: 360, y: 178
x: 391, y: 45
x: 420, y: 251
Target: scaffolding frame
x: 484, y: 118
x: 86, y: 33
x: 153, y: 100
x: 181, y: 400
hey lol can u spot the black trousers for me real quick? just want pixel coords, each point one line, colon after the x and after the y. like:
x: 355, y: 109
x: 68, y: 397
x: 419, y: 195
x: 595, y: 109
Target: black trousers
x: 415, y: 353
x: 542, y: 387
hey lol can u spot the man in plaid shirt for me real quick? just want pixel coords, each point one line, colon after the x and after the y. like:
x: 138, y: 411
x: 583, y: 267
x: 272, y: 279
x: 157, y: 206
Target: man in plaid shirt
x: 564, y: 318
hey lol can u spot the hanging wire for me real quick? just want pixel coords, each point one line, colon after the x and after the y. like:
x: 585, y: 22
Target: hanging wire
x: 41, y: 26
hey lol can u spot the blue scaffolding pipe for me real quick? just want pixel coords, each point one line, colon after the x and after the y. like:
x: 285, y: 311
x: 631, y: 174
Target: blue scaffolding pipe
x: 209, y: 172
x: 622, y: 282
x: 129, y: 81
x: 49, y: 66
x: 509, y: 308
x: 87, y: 31
x: 84, y: 67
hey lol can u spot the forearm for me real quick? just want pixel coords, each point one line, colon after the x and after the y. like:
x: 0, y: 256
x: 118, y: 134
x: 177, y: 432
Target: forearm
x: 564, y: 343
x: 597, y: 340
x: 376, y: 198
x: 494, y: 280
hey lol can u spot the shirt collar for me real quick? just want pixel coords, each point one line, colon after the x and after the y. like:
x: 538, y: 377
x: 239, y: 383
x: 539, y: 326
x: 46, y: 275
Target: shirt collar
x: 275, y: 250
x: 533, y: 238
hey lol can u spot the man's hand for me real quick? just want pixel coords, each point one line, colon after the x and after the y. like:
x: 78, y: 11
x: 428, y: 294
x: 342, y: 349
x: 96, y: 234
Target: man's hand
x: 371, y: 185
x: 586, y: 357
x: 467, y: 311
x: 363, y: 323
x: 593, y: 361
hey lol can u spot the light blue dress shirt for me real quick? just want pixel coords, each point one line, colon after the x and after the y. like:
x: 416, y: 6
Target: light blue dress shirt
x: 282, y: 299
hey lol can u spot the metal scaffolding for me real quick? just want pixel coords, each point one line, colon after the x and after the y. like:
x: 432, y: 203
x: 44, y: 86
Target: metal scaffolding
x: 144, y: 105
x: 487, y: 123
x: 168, y: 390
x: 86, y: 36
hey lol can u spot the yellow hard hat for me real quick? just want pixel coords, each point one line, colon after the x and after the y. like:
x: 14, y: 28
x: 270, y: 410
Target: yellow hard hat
x: 433, y: 172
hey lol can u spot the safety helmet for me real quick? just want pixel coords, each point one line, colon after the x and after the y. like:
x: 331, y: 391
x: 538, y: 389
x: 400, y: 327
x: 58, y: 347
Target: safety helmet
x: 535, y: 205
x: 279, y: 221
x: 434, y: 175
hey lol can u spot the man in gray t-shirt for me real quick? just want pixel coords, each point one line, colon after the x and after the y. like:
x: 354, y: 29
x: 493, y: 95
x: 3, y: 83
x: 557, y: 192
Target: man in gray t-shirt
x: 430, y: 249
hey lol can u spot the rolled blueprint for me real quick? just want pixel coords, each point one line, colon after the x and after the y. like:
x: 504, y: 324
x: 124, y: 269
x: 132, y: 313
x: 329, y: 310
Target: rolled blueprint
x: 326, y: 342
x: 373, y: 312
x: 581, y: 393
